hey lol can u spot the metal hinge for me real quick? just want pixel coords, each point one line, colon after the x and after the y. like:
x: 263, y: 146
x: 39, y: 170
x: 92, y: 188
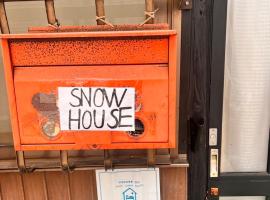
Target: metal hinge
x: 185, y: 4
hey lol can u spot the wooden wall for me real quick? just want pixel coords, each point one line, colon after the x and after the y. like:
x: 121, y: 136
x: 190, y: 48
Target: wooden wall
x: 78, y: 185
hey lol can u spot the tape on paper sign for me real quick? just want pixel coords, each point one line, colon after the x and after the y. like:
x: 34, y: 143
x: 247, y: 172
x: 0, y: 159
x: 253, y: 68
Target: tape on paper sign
x: 96, y: 108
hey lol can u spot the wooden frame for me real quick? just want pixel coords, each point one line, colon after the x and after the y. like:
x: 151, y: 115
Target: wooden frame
x: 227, y: 184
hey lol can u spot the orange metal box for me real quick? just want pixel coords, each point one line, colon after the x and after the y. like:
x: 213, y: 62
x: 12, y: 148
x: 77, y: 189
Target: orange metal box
x: 92, y: 90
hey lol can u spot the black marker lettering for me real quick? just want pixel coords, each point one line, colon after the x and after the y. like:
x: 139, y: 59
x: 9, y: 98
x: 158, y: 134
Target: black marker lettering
x: 115, y: 118
x: 85, y: 119
x: 87, y: 98
x: 123, y: 116
x: 102, y: 119
x: 114, y: 96
x: 102, y: 93
x: 78, y: 120
x: 79, y: 99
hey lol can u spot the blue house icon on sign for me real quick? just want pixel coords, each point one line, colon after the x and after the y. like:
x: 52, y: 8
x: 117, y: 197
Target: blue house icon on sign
x: 129, y: 194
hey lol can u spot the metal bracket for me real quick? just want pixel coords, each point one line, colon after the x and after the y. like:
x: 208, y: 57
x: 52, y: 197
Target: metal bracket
x: 214, y: 163
x: 151, y: 157
x: 21, y: 163
x: 108, y: 164
x: 185, y: 4
x: 64, y: 161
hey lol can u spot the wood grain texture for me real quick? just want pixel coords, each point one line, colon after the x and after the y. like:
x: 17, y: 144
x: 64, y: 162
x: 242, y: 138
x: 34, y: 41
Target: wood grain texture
x: 195, y: 84
x: 173, y: 184
x: 34, y: 186
x: 3, y: 18
x: 58, y: 185
x: 83, y: 185
x: 78, y: 185
x: 11, y: 186
x: 149, y: 7
x: 51, y: 17
x: 100, y: 10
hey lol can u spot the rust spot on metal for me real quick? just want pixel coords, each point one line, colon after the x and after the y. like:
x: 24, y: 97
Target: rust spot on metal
x: 51, y: 128
x: 47, y: 108
x: 89, y: 51
x: 214, y: 191
x: 44, y: 102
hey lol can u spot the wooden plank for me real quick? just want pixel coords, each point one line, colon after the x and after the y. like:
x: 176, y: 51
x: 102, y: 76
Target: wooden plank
x: 11, y: 186
x: 83, y: 185
x: 149, y: 8
x: 173, y: 183
x: 176, y: 21
x: 196, y: 61
x: 34, y: 186
x: 185, y: 80
x: 51, y: 12
x: 3, y: 18
x: 100, y: 11
x: 57, y: 185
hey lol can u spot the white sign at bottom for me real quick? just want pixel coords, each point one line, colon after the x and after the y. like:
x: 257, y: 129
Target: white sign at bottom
x: 128, y: 184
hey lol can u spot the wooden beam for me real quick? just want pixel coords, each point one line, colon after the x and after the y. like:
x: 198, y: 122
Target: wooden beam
x: 88, y: 162
x: 195, y: 84
x: 151, y: 157
x: 100, y: 11
x: 108, y: 160
x: 21, y: 161
x: 49, y: 4
x: 64, y: 160
x: 176, y: 21
x: 149, y: 7
x: 3, y: 18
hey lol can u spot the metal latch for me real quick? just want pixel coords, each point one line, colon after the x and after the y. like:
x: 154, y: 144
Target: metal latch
x: 185, y: 4
x: 214, y: 163
x: 213, y: 137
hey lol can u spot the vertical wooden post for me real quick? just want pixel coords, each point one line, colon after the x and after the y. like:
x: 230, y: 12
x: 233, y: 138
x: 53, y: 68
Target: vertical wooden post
x: 49, y: 4
x: 176, y: 22
x: 151, y: 153
x: 64, y: 160
x: 3, y: 18
x: 21, y: 161
x: 100, y: 11
x: 149, y: 7
x: 151, y: 157
x: 108, y: 159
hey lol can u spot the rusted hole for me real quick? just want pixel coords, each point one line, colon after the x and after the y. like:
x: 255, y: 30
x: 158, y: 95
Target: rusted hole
x: 50, y: 129
x: 139, y: 129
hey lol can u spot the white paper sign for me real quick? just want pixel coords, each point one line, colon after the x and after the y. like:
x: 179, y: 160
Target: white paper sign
x: 128, y: 184
x: 96, y: 108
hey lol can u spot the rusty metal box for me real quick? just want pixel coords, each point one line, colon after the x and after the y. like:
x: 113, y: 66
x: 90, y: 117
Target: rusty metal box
x: 92, y: 90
